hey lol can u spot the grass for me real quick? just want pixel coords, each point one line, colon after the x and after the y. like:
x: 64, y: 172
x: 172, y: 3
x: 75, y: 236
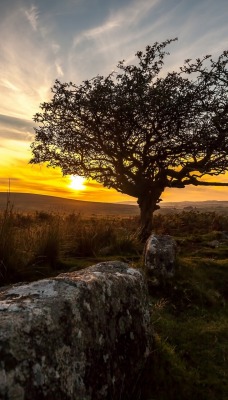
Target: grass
x: 189, y: 318
x: 42, y: 244
x: 189, y: 313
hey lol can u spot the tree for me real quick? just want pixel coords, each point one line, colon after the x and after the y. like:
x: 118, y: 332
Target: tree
x: 137, y: 131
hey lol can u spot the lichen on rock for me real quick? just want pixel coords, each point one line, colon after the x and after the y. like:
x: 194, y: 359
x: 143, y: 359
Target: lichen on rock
x: 82, y: 335
x: 160, y: 257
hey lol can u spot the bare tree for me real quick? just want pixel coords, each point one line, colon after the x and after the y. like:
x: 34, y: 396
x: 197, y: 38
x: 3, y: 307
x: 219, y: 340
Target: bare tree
x: 137, y: 131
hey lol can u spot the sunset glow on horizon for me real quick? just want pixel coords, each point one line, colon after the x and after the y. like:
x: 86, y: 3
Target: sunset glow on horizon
x: 71, y: 41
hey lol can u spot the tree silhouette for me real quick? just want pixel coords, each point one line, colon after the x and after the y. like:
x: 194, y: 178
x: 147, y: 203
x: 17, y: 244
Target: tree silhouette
x: 138, y: 131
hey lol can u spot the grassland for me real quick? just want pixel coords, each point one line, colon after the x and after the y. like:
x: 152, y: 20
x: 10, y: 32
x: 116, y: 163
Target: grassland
x: 190, y: 322
x: 189, y: 313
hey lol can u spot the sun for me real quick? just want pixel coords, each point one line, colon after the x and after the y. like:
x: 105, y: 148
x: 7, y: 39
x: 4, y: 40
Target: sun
x: 77, y: 182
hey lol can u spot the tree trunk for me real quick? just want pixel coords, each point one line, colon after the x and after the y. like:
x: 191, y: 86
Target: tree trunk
x: 147, y: 205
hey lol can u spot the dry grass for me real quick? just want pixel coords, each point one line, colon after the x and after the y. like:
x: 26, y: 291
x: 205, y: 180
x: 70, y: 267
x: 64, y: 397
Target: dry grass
x: 38, y: 245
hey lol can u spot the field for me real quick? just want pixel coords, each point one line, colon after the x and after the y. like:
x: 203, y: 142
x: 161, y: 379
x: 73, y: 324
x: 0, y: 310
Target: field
x: 189, y: 313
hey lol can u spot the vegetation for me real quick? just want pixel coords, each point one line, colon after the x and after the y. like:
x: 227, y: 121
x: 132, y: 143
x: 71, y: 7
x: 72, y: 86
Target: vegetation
x: 139, y: 131
x: 189, y: 314
x: 37, y: 245
x: 189, y: 319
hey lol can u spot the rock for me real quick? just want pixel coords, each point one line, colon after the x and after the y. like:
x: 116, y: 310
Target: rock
x: 159, y: 257
x: 82, y: 335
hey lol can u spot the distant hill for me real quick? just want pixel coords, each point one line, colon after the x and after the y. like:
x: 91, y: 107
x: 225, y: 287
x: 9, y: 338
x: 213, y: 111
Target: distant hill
x: 182, y: 204
x: 220, y: 207
x: 197, y: 204
x: 26, y: 202
x: 208, y: 205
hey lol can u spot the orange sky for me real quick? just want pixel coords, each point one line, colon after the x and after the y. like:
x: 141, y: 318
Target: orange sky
x: 39, y: 179
x: 73, y: 41
x: 15, y: 153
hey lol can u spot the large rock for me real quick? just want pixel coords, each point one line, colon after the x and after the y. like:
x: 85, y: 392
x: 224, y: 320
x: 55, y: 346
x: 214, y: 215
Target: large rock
x: 82, y: 335
x: 160, y: 257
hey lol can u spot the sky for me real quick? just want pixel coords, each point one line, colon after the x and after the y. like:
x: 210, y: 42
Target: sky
x: 73, y: 40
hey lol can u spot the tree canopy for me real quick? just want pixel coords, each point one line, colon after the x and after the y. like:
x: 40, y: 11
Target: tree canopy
x: 139, y: 131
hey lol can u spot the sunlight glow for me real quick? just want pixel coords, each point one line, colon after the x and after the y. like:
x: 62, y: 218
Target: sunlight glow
x: 77, y: 182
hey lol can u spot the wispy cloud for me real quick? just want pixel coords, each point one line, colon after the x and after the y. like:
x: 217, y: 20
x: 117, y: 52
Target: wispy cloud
x: 32, y: 14
x: 117, y: 23
x: 200, y: 26
x: 28, y: 64
x: 15, y: 129
x: 120, y: 35
x: 59, y: 69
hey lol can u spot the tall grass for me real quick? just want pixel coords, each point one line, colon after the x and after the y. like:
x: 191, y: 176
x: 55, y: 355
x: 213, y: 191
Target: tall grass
x: 100, y: 237
x: 36, y: 245
x: 190, y: 222
x: 47, y: 243
x: 26, y: 244
x: 32, y: 246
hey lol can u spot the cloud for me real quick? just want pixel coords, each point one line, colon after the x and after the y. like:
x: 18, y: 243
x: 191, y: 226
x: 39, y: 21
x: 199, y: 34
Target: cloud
x: 17, y: 122
x: 55, y: 47
x: 116, y: 36
x: 32, y: 15
x: 121, y: 20
x: 200, y: 26
x: 59, y: 69
x: 107, y: 27
x: 9, y: 85
x: 16, y: 129
x: 28, y: 64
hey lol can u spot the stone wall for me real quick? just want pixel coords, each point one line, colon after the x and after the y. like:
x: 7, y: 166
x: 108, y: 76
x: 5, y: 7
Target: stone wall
x: 82, y: 335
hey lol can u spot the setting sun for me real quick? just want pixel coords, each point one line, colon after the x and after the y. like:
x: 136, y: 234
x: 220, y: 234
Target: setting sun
x: 77, y: 182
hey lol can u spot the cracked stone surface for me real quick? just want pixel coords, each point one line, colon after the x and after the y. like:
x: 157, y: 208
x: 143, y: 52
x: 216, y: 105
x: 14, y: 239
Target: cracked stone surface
x: 82, y: 335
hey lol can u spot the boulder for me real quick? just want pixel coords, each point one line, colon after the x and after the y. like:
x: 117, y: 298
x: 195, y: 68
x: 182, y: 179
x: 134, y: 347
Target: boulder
x: 160, y: 257
x: 82, y: 335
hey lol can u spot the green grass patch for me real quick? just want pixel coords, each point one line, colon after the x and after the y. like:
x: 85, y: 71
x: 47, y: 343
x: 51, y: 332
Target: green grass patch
x: 190, y: 322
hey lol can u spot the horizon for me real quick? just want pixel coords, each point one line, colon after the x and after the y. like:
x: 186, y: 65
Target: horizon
x: 72, y: 41
x: 126, y: 202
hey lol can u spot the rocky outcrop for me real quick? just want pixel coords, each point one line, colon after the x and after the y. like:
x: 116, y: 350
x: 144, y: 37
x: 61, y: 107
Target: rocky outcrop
x: 160, y: 257
x: 82, y: 335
